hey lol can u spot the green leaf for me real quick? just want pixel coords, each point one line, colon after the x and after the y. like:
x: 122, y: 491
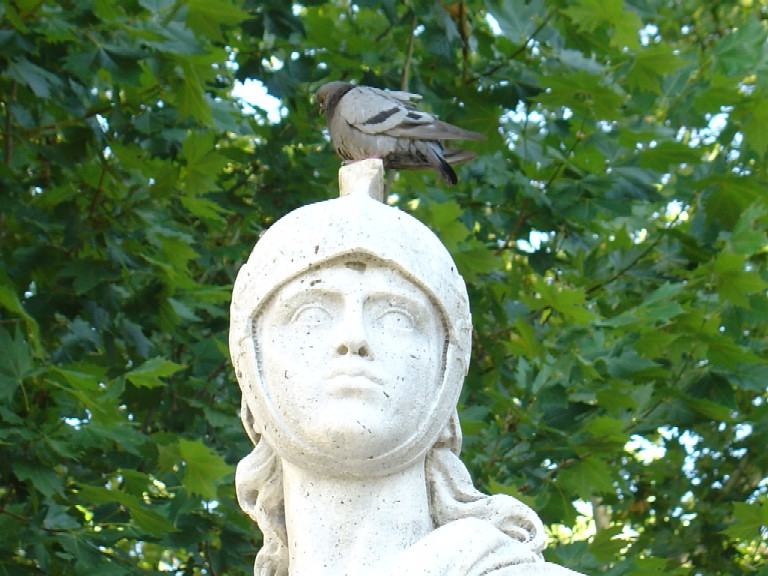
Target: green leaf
x: 738, y: 51
x: 39, y: 80
x: 589, y: 14
x: 586, y: 478
x: 722, y: 91
x: 15, y: 363
x: 444, y: 219
x: 149, y: 373
x: 584, y: 93
x: 711, y: 410
x: 473, y: 259
x: 606, y: 430
x: 523, y: 340
x: 517, y: 20
x: 202, y: 207
x: 204, y: 164
x: 45, y: 480
x: 156, y: 6
x: 629, y: 364
x: 147, y: 520
x: 649, y: 565
x: 749, y: 234
x: 207, y: 18
x: 204, y: 469
x: 626, y: 31
x: 191, y: 98
x: 9, y: 300
x: 650, y: 65
x: 722, y: 351
x: 750, y: 519
x: 570, y: 302
x: 606, y: 545
x: 495, y: 487
x: 728, y: 195
x: 660, y: 157
x: 752, y: 116
x: 57, y: 518
x: 659, y: 307
x: 734, y: 282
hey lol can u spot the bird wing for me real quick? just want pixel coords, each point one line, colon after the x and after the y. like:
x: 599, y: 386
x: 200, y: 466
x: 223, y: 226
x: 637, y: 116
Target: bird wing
x: 382, y: 112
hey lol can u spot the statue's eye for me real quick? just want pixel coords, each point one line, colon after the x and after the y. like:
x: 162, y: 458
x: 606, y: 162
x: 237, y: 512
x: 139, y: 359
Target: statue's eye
x: 396, y: 319
x: 311, y: 315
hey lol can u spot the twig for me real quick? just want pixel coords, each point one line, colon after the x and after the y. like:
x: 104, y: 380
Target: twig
x: 99, y: 188
x: 405, y: 76
x: 8, y: 143
x: 218, y: 370
x: 619, y: 273
x: 463, y: 28
x: 521, y: 217
x: 207, y: 547
x: 491, y: 71
x: 548, y: 476
x: 576, y: 141
x: 68, y: 121
x: 172, y: 14
x: 14, y: 516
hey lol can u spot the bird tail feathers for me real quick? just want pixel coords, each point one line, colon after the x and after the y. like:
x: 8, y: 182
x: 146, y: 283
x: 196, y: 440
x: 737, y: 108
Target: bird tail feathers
x: 458, y: 156
x: 435, y: 159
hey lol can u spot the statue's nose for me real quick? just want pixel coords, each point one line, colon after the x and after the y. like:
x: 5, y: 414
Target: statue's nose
x: 352, y: 338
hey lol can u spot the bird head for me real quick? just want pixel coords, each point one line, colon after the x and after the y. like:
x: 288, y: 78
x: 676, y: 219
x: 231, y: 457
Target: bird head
x: 329, y: 94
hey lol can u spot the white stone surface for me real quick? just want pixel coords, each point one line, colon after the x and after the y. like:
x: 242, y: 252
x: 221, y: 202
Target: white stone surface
x: 364, y: 178
x: 350, y: 336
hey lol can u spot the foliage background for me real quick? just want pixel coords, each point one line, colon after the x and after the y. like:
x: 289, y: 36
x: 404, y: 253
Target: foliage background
x: 613, y: 233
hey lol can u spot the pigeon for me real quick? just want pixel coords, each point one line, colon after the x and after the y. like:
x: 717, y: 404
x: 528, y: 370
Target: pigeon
x: 366, y: 122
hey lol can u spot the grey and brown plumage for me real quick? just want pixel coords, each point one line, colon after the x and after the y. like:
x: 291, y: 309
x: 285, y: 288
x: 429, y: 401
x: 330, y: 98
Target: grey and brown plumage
x: 366, y: 122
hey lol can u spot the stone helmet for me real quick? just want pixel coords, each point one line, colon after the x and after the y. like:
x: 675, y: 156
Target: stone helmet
x: 321, y: 233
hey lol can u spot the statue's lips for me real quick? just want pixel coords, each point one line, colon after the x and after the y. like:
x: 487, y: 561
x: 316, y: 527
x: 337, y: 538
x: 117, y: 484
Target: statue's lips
x: 353, y: 378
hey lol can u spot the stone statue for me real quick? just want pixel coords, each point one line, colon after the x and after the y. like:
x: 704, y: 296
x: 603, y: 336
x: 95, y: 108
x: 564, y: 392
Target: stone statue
x: 350, y: 337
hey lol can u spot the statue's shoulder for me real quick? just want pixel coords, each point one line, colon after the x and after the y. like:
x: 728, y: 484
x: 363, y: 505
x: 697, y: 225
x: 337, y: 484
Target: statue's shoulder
x: 472, y: 547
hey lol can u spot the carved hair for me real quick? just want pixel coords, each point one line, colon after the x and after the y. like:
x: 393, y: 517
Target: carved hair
x: 453, y: 496
x: 259, y: 482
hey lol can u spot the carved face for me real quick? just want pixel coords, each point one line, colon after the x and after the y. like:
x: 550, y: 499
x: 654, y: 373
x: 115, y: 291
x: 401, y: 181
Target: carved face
x: 351, y: 356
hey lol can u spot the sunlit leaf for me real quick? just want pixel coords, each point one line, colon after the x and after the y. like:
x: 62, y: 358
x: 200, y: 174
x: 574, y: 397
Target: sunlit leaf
x: 149, y: 374
x: 204, y: 468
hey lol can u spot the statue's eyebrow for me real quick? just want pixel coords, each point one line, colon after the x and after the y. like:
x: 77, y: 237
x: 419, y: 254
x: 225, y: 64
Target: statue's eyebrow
x: 419, y: 299
x: 306, y: 286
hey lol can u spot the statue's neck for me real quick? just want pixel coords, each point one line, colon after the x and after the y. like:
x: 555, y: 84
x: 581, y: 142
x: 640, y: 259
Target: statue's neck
x: 349, y: 527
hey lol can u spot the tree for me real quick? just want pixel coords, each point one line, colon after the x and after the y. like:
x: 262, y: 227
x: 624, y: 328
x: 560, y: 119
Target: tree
x: 613, y: 232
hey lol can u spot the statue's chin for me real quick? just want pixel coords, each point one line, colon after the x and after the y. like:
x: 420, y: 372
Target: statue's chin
x: 350, y: 442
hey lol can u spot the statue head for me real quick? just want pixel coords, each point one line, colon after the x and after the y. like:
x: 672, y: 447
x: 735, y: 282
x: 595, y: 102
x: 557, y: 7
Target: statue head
x: 350, y: 336
x: 318, y: 283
